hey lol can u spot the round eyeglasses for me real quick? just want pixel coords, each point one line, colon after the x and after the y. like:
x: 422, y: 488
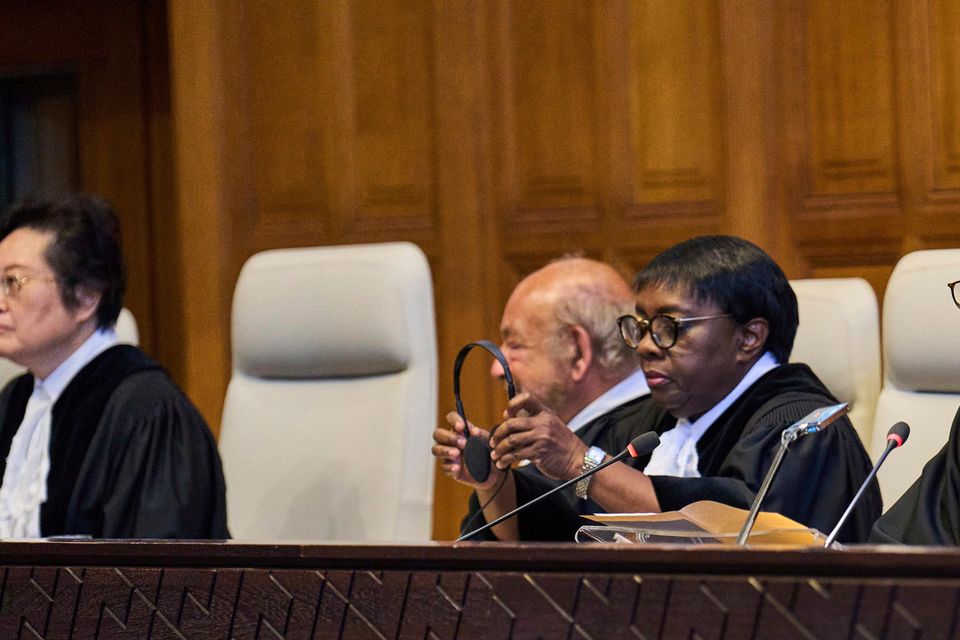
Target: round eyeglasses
x: 954, y: 292
x: 11, y: 283
x: 664, y: 329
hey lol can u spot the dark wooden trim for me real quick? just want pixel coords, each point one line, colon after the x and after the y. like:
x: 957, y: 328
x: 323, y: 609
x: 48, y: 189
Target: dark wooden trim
x: 857, y: 562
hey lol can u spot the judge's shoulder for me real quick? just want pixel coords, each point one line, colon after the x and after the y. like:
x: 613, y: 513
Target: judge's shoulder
x: 150, y: 394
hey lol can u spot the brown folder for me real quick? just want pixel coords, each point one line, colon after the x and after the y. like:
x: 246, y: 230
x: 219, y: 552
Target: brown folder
x: 703, y: 522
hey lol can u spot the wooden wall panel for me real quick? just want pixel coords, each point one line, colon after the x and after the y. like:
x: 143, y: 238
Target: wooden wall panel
x: 392, y: 63
x: 547, y: 117
x: 113, y: 52
x: 342, y: 119
x: 674, y: 109
x: 850, y: 75
x: 945, y: 34
x: 840, y: 141
x: 286, y: 94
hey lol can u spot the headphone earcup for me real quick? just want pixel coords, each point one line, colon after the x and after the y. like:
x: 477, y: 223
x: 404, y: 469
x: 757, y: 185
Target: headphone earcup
x: 476, y: 456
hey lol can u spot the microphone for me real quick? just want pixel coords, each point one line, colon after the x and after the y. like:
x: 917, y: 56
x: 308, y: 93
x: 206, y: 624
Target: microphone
x: 639, y: 446
x: 815, y: 421
x: 897, y: 435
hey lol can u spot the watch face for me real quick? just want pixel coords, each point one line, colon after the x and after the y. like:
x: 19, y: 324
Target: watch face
x: 591, y: 460
x: 596, y: 455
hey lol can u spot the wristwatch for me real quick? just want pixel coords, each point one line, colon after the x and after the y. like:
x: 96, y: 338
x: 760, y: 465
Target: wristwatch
x: 591, y: 460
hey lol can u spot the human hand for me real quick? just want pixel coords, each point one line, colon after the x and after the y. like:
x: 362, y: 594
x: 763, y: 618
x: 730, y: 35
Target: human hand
x: 448, y: 445
x: 533, y: 432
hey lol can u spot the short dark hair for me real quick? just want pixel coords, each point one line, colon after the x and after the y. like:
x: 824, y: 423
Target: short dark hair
x: 737, y: 276
x: 85, y: 250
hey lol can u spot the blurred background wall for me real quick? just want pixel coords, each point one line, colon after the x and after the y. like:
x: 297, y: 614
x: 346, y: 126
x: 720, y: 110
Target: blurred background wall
x: 496, y: 135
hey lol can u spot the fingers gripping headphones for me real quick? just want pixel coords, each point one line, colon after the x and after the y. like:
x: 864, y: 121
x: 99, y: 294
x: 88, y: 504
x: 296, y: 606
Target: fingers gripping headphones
x: 476, y: 453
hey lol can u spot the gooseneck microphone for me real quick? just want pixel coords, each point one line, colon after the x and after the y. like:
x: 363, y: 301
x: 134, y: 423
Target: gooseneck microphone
x: 897, y: 435
x: 639, y: 446
x: 476, y: 452
x: 815, y: 421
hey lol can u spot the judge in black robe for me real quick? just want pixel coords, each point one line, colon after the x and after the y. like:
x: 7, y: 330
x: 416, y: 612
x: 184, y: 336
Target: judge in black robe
x: 817, y: 479
x: 130, y: 456
x: 819, y: 475
x: 929, y: 512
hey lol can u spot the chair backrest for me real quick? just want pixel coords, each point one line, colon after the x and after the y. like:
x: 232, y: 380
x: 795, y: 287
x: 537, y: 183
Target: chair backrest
x: 126, y: 330
x: 328, y: 414
x: 839, y: 337
x: 921, y: 350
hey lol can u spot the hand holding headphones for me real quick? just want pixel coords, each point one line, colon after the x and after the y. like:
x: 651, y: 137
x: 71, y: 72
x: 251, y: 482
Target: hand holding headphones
x: 464, y: 451
x: 476, y: 452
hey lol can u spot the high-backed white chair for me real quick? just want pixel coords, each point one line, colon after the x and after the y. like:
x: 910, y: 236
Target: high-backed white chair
x: 333, y: 398
x: 921, y: 351
x: 126, y: 330
x: 839, y: 337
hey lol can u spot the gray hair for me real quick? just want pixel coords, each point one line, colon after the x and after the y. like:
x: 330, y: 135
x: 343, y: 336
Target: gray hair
x: 593, y: 307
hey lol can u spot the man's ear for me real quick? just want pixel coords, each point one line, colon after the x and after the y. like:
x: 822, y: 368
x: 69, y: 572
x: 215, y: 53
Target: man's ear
x: 753, y: 338
x: 88, y: 300
x: 583, y: 356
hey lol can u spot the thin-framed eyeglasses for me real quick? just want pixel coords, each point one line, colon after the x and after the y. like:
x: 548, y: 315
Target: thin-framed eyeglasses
x: 12, y: 283
x: 954, y: 292
x: 664, y: 329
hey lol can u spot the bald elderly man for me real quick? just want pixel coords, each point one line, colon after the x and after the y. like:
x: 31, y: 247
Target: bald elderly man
x: 559, y: 335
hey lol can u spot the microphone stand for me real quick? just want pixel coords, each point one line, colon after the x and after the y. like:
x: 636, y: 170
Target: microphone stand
x: 815, y: 421
x: 785, y: 441
x: 856, y: 498
x: 895, y: 438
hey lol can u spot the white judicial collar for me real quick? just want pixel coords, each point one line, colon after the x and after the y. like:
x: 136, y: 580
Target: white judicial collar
x: 57, y: 381
x: 633, y: 386
x: 677, y: 453
x: 24, y: 486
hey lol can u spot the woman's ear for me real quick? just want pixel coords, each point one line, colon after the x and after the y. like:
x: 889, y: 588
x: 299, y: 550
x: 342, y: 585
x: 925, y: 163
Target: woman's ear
x: 88, y: 301
x: 753, y: 338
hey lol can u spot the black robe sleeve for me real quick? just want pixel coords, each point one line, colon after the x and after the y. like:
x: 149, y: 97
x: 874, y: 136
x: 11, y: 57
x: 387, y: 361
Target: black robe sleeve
x: 818, y: 477
x: 151, y: 470
x: 929, y: 512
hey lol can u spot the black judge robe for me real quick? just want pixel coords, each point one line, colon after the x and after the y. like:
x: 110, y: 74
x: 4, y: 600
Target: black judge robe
x: 130, y: 456
x: 817, y: 480
x: 928, y: 513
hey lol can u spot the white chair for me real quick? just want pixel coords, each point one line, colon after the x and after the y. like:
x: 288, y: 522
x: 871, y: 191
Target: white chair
x: 333, y: 398
x: 921, y: 349
x: 126, y: 330
x: 839, y: 337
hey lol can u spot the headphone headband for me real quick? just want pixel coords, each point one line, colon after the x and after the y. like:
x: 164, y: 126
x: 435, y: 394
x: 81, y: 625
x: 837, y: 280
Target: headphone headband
x: 458, y: 363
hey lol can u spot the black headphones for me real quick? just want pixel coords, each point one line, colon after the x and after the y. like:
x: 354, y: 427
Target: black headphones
x: 476, y: 453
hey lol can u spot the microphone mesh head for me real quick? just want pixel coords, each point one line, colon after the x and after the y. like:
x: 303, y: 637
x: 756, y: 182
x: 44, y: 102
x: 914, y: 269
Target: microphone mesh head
x: 643, y: 444
x: 898, y: 433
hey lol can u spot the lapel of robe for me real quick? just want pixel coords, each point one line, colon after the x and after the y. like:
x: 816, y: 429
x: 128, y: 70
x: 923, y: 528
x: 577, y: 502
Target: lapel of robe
x: 775, y: 387
x: 17, y: 394
x: 76, y: 416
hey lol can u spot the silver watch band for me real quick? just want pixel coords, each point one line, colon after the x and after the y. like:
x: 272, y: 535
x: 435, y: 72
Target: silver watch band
x: 591, y: 460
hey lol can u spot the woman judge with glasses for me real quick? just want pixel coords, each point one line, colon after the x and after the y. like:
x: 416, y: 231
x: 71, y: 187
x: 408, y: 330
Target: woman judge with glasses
x: 929, y: 512
x: 714, y: 325
x: 95, y: 439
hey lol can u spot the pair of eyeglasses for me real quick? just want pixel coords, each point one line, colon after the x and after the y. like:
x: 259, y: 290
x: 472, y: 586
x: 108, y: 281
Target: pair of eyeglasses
x: 11, y: 284
x: 954, y: 292
x: 664, y: 329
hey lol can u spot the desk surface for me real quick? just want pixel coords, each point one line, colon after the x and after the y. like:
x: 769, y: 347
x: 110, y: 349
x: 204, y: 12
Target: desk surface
x: 148, y: 589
